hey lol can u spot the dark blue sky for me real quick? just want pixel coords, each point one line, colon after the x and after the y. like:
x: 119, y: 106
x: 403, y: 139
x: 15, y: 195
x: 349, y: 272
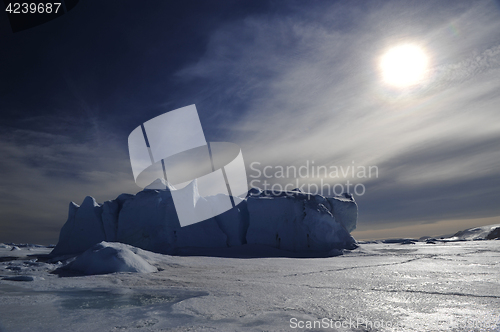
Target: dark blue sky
x: 289, y: 81
x: 114, y: 59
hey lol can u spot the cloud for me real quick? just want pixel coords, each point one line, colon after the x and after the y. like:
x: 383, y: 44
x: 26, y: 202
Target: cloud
x: 44, y: 169
x: 305, y: 86
x: 295, y: 84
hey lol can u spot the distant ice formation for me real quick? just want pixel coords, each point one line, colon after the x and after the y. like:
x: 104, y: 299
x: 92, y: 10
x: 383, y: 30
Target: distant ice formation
x: 293, y: 220
x: 489, y: 232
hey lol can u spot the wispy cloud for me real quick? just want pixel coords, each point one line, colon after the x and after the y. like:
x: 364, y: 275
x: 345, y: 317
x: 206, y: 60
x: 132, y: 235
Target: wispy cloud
x: 294, y: 84
x: 43, y: 170
x: 307, y: 88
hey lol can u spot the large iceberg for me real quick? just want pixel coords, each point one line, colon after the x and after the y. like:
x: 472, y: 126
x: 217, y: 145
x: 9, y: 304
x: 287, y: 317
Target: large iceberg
x: 291, y: 220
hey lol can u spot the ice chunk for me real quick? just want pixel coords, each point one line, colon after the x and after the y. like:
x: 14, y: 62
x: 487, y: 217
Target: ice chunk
x: 106, y: 257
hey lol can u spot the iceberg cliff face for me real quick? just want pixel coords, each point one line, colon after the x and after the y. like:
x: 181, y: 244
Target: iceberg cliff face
x: 299, y: 222
x: 293, y: 221
x: 83, y: 229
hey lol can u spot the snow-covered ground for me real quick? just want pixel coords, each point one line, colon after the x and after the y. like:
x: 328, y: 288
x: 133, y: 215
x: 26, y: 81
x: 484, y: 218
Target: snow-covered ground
x: 453, y: 286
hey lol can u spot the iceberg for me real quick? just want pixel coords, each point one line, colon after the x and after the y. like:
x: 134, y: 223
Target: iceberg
x: 489, y: 232
x: 288, y: 220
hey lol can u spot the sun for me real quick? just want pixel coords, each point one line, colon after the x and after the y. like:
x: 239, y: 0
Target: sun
x: 404, y: 65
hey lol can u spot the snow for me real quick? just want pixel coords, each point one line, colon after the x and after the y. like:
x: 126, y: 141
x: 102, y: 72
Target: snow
x: 108, y: 257
x: 489, y: 232
x: 293, y: 221
x: 473, y: 234
x: 449, y: 286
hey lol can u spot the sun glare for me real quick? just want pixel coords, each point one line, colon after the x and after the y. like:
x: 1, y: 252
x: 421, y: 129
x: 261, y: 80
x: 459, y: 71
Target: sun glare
x: 403, y: 66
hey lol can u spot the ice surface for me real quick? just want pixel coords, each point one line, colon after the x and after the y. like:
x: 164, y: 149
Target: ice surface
x: 449, y: 286
x: 293, y: 221
x: 20, y: 278
x: 108, y: 257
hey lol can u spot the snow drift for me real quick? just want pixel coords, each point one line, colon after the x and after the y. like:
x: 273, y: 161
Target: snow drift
x: 107, y: 257
x: 293, y: 220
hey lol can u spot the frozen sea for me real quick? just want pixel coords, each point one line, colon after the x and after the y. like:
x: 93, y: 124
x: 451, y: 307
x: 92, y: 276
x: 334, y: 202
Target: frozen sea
x: 378, y: 287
